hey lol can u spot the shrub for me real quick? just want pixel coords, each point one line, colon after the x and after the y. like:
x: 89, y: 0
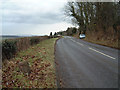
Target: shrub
x: 74, y: 30
x: 23, y: 43
x: 9, y: 49
x: 34, y: 40
x: 12, y: 46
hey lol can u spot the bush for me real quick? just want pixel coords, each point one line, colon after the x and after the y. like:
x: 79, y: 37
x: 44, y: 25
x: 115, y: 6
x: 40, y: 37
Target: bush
x: 74, y: 30
x: 9, y: 49
x: 12, y: 46
x: 34, y: 41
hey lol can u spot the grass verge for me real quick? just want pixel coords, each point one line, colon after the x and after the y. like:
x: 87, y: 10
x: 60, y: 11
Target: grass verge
x: 113, y: 43
x: 41, y: 62
x: 108, y: 43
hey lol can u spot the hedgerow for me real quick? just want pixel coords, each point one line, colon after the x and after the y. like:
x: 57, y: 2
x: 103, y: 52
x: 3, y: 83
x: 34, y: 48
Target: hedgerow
x: 34, y: 40
x: 9, y: 49
x: 11, y: 46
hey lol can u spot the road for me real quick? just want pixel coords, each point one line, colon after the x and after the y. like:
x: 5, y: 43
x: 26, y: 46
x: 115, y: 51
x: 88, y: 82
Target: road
x: 81, y: 64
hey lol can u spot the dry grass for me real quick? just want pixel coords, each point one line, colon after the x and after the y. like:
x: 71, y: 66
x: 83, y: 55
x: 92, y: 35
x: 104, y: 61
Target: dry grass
x: 24, y: 43
x: 0, y: 79
x: 41, y: 61
x: 21, y: 44
x: 76, y: 35
x: 109, y: 43
x: 106, y: 39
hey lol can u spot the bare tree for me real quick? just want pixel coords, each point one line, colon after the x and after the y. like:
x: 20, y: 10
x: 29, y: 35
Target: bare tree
x: 90, y: 15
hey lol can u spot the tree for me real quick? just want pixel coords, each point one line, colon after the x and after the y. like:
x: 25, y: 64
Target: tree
x: 50, y: 34
x: 92, y: 15
x: 55, y: 34
x: 74, y: 30
x: 75, y: 10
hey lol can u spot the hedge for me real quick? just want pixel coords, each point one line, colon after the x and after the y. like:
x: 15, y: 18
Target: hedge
x: 9, y: 49
x: 11, y: 46
x: 34, y: 40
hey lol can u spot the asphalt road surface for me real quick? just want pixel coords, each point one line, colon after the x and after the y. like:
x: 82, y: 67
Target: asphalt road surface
x: 81, y: 64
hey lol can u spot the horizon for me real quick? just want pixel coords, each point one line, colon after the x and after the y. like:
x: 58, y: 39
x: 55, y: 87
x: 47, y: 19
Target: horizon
x: 21, y: 35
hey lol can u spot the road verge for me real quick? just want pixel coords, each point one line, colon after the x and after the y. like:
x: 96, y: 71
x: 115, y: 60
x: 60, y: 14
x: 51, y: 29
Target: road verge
x: 41, y: 70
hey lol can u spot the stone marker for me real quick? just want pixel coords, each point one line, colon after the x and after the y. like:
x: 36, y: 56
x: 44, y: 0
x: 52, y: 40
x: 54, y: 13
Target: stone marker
x: 24, y: 67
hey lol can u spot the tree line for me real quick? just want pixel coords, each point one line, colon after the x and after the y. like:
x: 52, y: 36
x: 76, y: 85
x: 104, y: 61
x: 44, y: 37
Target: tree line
x: 94, y: 16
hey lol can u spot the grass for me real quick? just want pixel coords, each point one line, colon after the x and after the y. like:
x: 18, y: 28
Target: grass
x: 41, y: 61
x: 0, y: 79
x: 113, y: 43
x: 108, y: 43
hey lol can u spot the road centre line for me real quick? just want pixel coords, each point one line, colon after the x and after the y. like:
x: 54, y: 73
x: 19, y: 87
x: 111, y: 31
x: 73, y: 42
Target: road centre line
x: 77, y: 42
x: 95, y: 50
x: 102, y: 53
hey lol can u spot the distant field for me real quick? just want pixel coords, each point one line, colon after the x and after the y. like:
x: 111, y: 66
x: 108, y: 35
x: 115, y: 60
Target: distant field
x: 11, y: 37
x: 8, y: 37
x: 3, y: 38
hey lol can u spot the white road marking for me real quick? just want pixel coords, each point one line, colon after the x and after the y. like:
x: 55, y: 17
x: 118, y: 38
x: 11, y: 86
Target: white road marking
x: 102, y: 53
x: 67, y: 37
x: 77, y: 42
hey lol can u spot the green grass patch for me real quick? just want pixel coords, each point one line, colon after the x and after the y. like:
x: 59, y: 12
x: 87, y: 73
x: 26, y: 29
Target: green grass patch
x: 41, y: 61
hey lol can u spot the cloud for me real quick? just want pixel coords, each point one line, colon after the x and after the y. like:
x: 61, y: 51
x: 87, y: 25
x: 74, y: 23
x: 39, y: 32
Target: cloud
x: 46, y: 18
x: 32, y: 17
x: 33, y: 29
x: 35, y: 12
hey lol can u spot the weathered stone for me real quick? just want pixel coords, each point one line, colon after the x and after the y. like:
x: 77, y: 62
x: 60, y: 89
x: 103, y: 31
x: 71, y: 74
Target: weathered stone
x: 24, y: 67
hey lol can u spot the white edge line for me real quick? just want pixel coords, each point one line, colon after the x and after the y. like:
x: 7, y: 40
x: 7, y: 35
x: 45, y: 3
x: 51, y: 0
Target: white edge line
x: 77, y: 42
x: 102, y: 53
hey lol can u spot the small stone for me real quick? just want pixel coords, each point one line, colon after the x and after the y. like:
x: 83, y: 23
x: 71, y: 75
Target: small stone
x: 24, y: 67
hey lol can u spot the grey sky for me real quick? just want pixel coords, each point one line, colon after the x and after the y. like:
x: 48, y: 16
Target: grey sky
x: 32, y: 17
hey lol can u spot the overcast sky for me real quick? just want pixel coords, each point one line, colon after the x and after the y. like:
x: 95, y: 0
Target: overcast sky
x: 33, y: 17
